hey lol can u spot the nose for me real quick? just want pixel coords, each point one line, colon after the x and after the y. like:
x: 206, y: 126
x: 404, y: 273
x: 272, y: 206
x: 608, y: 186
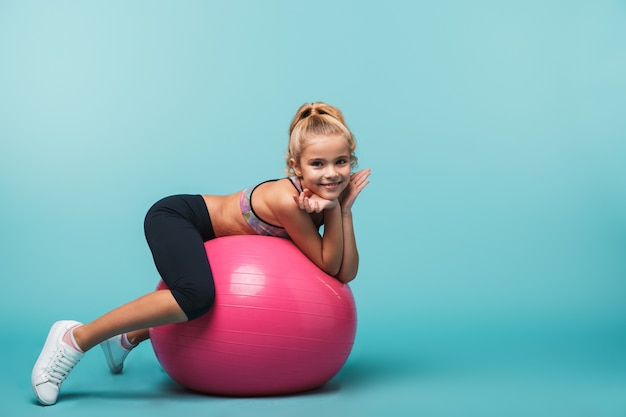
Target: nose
x: 331, y: 171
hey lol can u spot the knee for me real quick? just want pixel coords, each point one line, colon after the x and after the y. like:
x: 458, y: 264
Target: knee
x: 195, y: 301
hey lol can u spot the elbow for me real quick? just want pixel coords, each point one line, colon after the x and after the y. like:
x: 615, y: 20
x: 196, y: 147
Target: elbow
x: 332, y: 268
x: 345, y: 280
x: 340, y: 269
x: 345, y: 277
x: 332, y: 271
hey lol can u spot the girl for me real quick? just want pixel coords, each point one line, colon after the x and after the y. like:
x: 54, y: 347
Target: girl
x: 320, y: 190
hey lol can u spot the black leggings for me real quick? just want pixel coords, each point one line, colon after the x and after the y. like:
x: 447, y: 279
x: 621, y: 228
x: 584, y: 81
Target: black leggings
x: 176, y: 228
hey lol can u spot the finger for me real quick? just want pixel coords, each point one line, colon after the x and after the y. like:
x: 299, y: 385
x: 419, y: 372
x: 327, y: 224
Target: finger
x: 362, y: 181
x: 307, y: 205
x: 302, y: 202
x: 362, y: 185
x: 360, y: 176
x: 361, y: 172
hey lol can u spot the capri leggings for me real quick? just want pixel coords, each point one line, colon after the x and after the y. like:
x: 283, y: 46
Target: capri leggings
x: 176, y: 228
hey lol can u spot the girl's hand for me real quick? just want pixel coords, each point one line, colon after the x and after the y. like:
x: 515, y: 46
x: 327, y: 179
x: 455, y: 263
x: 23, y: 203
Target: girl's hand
x: 358, y: 181
x: 313, y: 203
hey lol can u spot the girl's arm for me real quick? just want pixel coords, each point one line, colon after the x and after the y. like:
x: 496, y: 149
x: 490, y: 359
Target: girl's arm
x: 350, y: 261
x: 338, y: 227
x: 326, y: 251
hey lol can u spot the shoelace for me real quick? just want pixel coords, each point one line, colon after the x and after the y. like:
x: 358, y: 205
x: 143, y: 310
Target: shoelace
x: 61, y: 366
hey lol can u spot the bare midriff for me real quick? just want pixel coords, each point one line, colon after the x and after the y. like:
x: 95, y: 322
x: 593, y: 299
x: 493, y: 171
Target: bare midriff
x: 226, y: 215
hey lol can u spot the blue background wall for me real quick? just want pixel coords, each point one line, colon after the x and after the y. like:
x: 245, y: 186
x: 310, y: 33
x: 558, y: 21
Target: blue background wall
x: 492, y: 236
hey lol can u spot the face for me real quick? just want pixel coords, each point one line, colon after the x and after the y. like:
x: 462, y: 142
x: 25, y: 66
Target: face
x: 324, y: 166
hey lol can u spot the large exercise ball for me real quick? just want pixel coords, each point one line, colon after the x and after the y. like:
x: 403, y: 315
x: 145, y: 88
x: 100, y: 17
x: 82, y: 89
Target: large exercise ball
x: 279, y: 325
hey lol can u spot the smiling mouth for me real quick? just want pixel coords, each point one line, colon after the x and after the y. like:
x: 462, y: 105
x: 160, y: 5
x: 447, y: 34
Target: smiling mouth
x: 332, y: 185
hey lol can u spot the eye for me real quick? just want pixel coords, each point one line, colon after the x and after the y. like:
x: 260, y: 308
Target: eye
x: 316, y: 163
x: 342, y: 161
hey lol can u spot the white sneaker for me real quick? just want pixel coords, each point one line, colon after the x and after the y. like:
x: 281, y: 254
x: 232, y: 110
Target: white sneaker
x: 115, y: 353
x: 55, y: 362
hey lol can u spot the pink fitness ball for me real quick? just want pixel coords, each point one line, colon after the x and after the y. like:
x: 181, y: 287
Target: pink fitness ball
x: 279, y: 324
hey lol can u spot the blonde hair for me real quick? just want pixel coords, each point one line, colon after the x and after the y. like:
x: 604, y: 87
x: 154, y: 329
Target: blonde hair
x: 313, y: 119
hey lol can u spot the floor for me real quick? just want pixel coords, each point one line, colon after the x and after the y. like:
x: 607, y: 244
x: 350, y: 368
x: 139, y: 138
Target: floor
x: 432, y: 372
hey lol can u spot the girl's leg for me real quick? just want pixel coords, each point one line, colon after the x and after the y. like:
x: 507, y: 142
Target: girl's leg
x: 176, y: 229
x: 138, y: 336
x: 60, y: 354
x: 117, y: 347
x: 153, y: 309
